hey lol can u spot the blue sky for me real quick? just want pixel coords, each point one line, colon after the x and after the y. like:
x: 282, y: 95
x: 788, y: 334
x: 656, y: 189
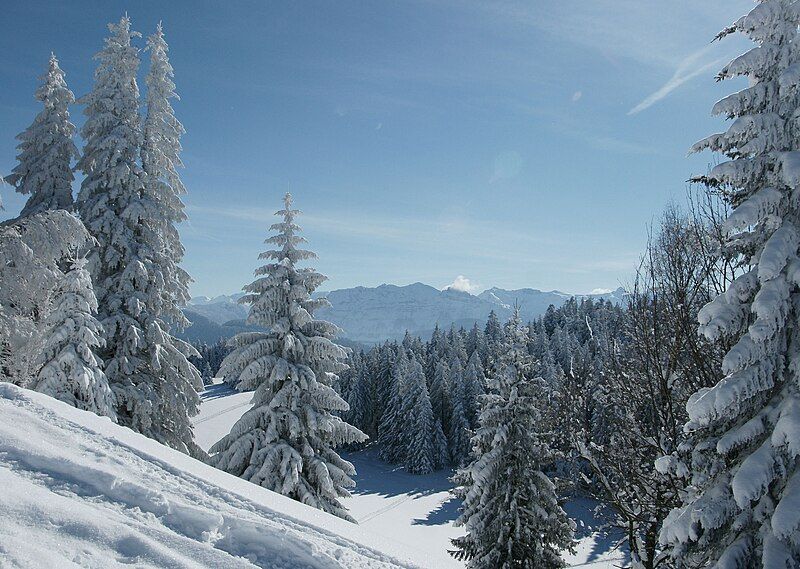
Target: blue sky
x: 518, y: 144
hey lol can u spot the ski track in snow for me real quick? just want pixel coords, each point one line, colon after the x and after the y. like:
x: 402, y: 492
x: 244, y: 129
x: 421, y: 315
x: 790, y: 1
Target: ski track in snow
x: 222, y: 412
x: 79, y: 494
x: 391, y: 506
x: 415, y: 511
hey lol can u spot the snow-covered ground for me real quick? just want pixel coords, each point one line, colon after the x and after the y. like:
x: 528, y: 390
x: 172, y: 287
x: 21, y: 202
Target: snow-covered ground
x: 414, y: 511
x: 80, y: 491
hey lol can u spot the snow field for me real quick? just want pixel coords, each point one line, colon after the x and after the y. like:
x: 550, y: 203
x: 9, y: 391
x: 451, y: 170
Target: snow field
x: 415, y: 511
x: 80, y: 491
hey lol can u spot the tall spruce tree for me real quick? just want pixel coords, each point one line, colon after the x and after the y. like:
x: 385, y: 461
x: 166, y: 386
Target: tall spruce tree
x: 474, y: 387
x: 44, y: 169
x: 426, y: 449
x: 393, y: 427
x: 286, y: 441
x: 459, y: 437
x: 359, y: 398
x: 160, y: 152
x: 742, y: 502
x: 154, y: 384
x: 510, y: 510
x: 70, y: 371
x: 440, y: 394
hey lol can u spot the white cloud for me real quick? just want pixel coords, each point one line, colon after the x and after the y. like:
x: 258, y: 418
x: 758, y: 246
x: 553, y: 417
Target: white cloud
x: 463, y: 284
x: 576, y: 96
x: 601, y: 291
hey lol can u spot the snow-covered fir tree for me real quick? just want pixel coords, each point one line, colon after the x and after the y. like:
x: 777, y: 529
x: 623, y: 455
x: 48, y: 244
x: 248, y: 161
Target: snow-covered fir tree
x: 742, y: 502
x: 160, y: 160
x: 510, y: 510
x: 32, y: 251
x: 46, y: 149
x: 154, y: 384
x: 440, y: 393
x: 70, y: 370
x: 493, y: 337
x: 426, y: 449
x: 206, y: 374
x: 393, y: 429
x: 286, y: 442
x: 459, y: 437
x: 359, y: 399
x: 474, y: 387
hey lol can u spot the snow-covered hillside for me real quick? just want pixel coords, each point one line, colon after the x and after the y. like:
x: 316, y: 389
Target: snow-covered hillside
x: 416, y: 511
x: 80, y: 491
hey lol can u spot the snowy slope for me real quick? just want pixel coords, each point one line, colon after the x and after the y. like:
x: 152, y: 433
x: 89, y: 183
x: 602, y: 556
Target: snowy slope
x: 79, y: 491
x: 415, y: 511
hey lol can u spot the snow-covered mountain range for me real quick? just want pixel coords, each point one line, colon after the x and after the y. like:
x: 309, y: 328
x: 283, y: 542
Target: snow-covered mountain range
x: 373, y: 314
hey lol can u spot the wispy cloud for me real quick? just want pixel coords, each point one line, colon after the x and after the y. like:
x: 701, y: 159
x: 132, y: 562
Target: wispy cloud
x: 697, y: 63
x: 441, y: 233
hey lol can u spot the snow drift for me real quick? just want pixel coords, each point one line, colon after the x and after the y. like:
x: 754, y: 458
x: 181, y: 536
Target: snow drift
x: 80, y: 491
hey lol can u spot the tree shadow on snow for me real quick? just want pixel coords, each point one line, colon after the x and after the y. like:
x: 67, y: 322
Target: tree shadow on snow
x: 217, y: 391
x: 377, y: 477
x: 444, y: 514
x: 590, y: 522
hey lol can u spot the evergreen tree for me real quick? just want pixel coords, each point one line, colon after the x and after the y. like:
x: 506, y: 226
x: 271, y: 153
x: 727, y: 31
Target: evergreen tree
x: 440, y: 394
x: 154, y: 384
x: 476, y: 341
x: 427, y: 446
x: 359, y: 399
x: 742, y: 502
x: 286, y: 441
x: 459, y: 439
x: 32, y: 251
x: 435, y: 352
x: 393, y: 428
x: 6, y: 373
x: 206, y: 374
x: 493, y: 333
x: 511, y: 511
x: 382, y: 373
x: 160, y: 160
x: 70, y: 371
x: 46, y: 149
x: 474, y: 387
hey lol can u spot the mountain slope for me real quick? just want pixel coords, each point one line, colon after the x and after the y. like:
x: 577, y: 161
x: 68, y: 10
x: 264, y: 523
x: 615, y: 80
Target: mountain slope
x: 220, y: 309
x: 370, y: 315
x: 386, y: 312
x: 80, y: 491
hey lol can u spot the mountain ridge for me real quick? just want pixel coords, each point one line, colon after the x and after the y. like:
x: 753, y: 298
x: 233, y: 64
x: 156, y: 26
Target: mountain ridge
x: 368, y: 315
